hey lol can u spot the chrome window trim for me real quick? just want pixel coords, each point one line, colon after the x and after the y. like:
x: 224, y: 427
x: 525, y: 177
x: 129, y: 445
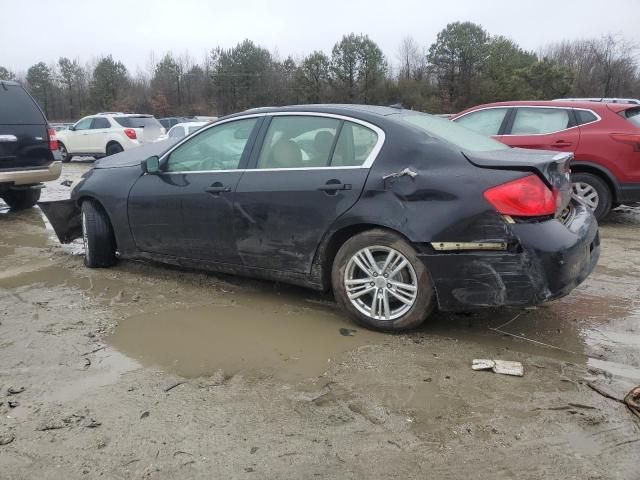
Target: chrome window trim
x: 365, y: 165
x: 598, y: 118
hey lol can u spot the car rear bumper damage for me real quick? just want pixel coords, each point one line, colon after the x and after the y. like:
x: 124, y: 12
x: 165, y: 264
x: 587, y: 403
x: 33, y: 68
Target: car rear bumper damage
x: 32, y: 175
x: 552, y: 259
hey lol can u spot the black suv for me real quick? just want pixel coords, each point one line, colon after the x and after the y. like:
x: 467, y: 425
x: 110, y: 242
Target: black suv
x: 28, y: 148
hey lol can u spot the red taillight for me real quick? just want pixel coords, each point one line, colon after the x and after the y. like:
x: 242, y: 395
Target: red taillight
x: 525, y: 197
x: 632, y: 139
x: 53, y: 139
x: 131, y: 133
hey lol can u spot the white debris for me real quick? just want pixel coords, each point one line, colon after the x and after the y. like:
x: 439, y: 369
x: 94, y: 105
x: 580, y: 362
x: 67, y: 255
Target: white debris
x: 505, y: 367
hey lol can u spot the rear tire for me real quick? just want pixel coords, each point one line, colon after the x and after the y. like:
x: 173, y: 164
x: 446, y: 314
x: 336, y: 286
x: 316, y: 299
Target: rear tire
x: 405, y: 295
x: 114, y: 148
x: 21, y: 199
x: 97, y: 236
x: 65, y: 156
x: 594, y: 191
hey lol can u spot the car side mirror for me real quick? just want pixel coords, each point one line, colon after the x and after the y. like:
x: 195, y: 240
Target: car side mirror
x: 151, y: 165
x: 72, y: 128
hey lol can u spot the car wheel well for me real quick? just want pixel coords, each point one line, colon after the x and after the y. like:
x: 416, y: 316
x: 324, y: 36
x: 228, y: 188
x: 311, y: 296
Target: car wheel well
x: 598, y: 173
x: 331, y: 246
x: 111, y: 142
x: 86, y: 198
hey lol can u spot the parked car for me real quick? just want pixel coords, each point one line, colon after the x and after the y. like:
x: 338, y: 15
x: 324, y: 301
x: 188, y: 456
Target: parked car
x: 397, y: 211
x: 604, y: 138
x: 60, y: 126
x: 28, y: 148
x: 601, y: 100
x: 107, y: 133
x: 181, y: 130
x: 169, y: 122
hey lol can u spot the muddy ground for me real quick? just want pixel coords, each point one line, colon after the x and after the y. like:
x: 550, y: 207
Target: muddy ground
x: 144, y: 371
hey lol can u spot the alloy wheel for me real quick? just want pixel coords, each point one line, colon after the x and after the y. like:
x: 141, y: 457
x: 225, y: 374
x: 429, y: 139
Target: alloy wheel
x: 63, y: 152
x: 381, y: 283
x: 85, y: 239
x: 587, y: 193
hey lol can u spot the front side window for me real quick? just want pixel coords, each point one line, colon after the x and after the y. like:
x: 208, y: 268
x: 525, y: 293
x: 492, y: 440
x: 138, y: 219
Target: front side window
x: 535, y: 121
x: 84, y: 124
x: 298, y: 142
x: 218, y: 148
x: 486, y: 122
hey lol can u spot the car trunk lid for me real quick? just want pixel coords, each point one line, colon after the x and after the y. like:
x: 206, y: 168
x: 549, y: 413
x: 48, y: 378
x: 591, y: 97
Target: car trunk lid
x: 551, y: 167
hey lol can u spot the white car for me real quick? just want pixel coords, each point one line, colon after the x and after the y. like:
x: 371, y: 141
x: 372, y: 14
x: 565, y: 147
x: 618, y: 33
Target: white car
x: 106, y: 134
x: 181, y: 130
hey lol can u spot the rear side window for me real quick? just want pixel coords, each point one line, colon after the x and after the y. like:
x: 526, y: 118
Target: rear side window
x: 633, y: 115
x: 535, y: 121
x: 585, y: 116
x: 17, y: 107
x: 451, y: 132
x: 100, y: 123
x: 355, y: 143
x: 486, y: 122
x: 298, y: 142
x: 138, y: 122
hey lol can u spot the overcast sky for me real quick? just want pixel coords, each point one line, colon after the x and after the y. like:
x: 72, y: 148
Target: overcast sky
x: 35, y: 30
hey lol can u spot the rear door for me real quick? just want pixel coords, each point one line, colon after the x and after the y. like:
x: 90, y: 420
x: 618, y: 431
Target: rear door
x: 23, y: 130
x: 542, y: 128
x: 309, y: 170
x: 186, y: 210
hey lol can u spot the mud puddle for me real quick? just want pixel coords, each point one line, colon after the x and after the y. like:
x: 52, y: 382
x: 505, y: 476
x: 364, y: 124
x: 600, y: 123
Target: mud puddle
x: 261, y: 334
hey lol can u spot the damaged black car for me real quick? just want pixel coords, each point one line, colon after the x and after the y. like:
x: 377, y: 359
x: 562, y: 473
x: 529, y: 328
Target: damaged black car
x: 398, y: 212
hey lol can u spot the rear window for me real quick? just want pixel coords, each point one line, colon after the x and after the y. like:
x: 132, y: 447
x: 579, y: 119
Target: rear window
x: 17, y: 107
x: 633, y: 115
x: 461, y: 137
x: 138, y: 122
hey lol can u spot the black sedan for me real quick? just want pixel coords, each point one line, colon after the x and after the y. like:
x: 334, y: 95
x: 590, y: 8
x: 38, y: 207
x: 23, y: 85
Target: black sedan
x: 399, y: 212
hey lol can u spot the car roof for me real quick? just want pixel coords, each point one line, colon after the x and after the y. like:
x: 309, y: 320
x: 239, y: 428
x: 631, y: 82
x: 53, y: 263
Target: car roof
x: 336, y: 108
x: 595, y: 106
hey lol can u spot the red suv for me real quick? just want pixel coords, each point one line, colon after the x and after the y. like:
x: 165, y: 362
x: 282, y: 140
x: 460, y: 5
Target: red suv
x: 604, y: 137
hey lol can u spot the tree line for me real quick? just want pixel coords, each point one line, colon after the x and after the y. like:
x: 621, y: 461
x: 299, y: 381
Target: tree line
x: 464, y: 66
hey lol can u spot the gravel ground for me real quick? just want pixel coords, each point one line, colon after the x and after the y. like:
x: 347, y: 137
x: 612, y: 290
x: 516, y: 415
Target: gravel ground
x: 144, y: 371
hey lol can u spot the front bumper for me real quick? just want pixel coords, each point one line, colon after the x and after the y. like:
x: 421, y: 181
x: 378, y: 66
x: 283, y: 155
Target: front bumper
x: 31, y: 176
x: 552, y: 259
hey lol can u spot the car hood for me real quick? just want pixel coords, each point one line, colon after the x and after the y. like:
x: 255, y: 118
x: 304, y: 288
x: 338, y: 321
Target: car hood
x: 133, y: 157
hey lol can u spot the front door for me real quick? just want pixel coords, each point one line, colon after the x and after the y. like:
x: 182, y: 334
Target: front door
x: 308, y: 172
x: 186, y: 209
x: 95, y: 138
x: 76, y: 140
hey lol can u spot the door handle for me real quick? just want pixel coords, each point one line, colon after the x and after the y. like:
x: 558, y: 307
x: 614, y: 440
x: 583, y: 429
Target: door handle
x: 331, y: 187
x: 563, y: 143
x: 217, y: 188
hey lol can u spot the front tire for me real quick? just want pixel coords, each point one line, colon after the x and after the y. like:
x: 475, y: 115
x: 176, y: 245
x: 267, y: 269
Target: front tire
x: 97, y: 236
x: 379, y: 280
x: 594, y: 192
x: 21, y: 199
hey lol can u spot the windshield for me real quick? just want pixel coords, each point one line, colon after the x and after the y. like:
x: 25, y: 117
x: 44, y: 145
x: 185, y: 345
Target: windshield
x: 138, y: 122
x: 457, y: 135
